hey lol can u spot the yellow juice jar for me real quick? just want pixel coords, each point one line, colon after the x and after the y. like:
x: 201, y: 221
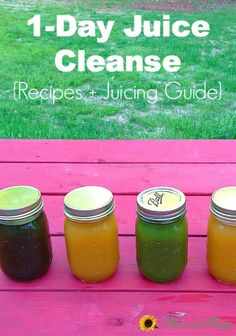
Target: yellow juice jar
x: 221, y: 242
x: 91, y: 233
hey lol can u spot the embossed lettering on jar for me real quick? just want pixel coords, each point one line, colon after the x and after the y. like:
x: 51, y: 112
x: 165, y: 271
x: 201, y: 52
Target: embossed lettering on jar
x: 25, y: 245
x: 161, y: 233
x: 91, y: 233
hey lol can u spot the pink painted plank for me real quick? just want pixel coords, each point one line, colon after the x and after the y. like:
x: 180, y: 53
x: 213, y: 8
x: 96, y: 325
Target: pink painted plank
x: 127, y: 277
x: 200, y: 179
x: 118, y: 151
x: 116, y: 314
x: 198, y: 213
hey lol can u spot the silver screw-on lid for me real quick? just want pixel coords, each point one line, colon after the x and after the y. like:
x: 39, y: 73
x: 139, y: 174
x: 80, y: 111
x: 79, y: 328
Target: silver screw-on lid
x: 223, y: 204
x: 88, y: 203
x: 19, y: 203
x: 161, y: 204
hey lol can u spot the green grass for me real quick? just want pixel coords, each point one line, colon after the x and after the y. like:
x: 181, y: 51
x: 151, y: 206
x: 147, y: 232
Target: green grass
x: 23, y: 57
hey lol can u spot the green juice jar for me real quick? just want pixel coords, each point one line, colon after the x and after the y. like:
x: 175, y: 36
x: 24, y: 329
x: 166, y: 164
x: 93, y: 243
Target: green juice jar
x: 161, y: 234
x: 25, y: 245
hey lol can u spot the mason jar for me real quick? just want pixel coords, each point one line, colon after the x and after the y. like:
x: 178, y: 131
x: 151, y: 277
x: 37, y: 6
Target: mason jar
x: 25, y: 245
x: 221, y: 238
x: 161, y: 234
x: 91, y: 233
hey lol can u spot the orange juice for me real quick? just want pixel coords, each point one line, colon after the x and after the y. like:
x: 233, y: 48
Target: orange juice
x: 221, y: 242
x: 91, y: 233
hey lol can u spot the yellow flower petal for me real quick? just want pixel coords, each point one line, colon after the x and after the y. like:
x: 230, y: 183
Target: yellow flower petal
x: 148, y: 323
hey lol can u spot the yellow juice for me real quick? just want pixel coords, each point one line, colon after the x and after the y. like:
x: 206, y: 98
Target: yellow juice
x: 92, y: 248
x: 91, y: 233
x: 221, y: 242
x: 221, y: 250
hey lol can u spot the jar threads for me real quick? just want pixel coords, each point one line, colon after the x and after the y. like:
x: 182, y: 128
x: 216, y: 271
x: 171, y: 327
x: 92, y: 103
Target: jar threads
x: 88, y: 203
x: 19, y: 204
x: 223, y: 204
x: 161, y: 204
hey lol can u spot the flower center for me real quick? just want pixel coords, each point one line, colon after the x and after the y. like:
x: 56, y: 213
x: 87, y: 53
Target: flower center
x: 148, y: 323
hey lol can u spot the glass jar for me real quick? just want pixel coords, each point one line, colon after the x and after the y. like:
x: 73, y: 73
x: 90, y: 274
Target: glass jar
x: 161, y: 234
x: 25, y: 245
x: 221, y: 241
x: 91, y: 233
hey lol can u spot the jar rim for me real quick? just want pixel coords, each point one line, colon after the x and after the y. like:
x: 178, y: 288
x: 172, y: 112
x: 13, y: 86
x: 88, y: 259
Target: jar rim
x: 161, y: 204
x: 223, y: 203
x: 32, y: 204
x: 88, y: 203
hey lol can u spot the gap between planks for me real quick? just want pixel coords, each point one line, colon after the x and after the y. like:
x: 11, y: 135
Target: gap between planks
x: 125, y: 194
x: 128, y: 235
x: 118, y: 162
x: 114, y: 291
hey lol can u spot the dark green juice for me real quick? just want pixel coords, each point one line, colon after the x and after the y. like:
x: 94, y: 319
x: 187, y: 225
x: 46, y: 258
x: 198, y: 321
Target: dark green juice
x: 25, y: 250
x: 25, y: 245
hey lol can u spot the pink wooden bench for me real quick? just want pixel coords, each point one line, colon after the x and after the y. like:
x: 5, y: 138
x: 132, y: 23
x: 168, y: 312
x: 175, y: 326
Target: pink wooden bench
x: 59, y: 304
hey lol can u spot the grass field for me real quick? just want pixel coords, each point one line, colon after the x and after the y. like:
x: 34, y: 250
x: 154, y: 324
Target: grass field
x: 23, y: 57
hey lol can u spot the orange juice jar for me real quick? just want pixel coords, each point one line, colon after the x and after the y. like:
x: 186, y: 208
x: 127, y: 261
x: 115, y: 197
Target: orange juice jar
x: 221, y: 242
x: 91, y: 233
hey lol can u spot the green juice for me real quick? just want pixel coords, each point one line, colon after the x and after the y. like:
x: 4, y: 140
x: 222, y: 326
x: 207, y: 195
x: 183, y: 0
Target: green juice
x: 25, y: 245
x: 25, y: 250
x: 161, y: 249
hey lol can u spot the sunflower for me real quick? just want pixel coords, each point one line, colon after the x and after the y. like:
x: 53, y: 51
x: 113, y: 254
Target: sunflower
x: 147, y: 323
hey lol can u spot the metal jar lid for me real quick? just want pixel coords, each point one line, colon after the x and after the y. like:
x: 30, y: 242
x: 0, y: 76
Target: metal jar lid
x: 88, y: 203
x: 19, y: 204
x: 161, y: 205
x: 223, y: 204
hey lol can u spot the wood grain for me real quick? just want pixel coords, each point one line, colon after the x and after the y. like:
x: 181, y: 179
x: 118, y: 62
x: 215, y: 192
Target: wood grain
x: 60, y: 304
x: 118, y: 151
x: 193, y: 179
x: 116, y: 314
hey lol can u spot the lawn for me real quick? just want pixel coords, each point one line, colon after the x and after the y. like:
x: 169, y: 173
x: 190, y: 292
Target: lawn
x: 23, y: 57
